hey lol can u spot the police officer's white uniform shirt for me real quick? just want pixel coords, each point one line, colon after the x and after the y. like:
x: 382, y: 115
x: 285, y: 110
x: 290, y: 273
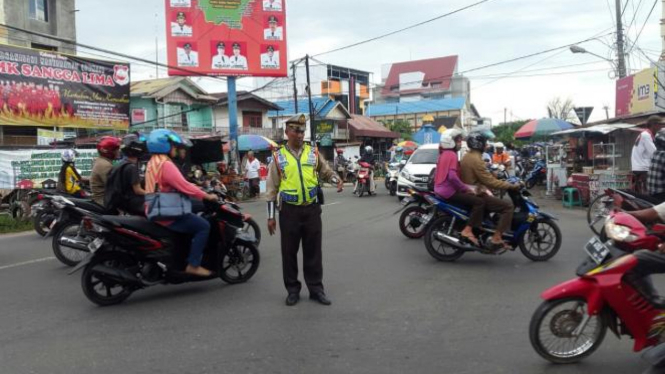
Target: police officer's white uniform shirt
x: 220, y: 62
x: 275, y: 5
x: 176, y: 30
x: 270, y: 62
x: 238, y: 62
x: 268, y: 34
x: 184, y: 59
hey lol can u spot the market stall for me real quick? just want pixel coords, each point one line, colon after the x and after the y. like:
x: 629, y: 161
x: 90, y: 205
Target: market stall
x: 598, y: 157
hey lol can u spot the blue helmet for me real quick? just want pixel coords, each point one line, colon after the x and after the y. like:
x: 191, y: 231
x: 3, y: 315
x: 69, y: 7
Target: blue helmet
x: 399, y: 149
x: 160, y: 141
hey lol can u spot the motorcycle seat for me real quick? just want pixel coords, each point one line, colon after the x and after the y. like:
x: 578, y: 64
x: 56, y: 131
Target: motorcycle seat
x: 88, y: 205
x: 140, y: 224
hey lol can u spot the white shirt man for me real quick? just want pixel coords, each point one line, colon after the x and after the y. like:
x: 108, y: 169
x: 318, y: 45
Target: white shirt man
x: 180, y: 30
x: 643, y: 150
x: 237, y: 61
x: 187, y: 57
x: 274, y: 5
x: 252, y: 169
x: 270, y: 60
x: 273, y: 33
x: 220, y: 60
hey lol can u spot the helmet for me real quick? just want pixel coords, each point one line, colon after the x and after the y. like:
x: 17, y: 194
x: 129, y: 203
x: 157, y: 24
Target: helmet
x: 340, y: 150
x: 476, y: 141
x: 399, y: 149
x: 499, y: 145
x: 133, y: 145
x: 660, y: 140
x: 448, y: 139
x: 160, y: 141
x: 68, y: 155
x: 108, y: 146
x: 368, y: 149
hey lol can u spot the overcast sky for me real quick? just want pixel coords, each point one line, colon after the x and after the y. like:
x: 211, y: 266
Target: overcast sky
x: 495, y: 31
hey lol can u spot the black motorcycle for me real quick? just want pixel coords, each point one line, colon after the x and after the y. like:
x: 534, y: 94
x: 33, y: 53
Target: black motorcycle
x: 417, y: 212
x: 132, y: 253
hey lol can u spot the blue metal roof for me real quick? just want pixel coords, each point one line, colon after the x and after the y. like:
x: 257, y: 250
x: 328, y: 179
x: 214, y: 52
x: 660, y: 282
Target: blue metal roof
x: 290, y: 106
x: 326, y: 108
x: 425, y: 106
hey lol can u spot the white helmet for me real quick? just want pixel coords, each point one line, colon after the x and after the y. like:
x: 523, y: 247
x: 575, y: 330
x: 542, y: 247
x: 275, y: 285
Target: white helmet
x: 368, y: 149
x: 448, y: 138
x: 69, y: 155
x: 499, y: 145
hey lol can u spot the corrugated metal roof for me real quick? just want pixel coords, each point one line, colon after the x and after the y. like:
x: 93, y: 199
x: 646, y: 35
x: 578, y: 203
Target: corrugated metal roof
x: 425, y: 106
x: 435, y: 70
x: 365, y: 126
x: 152, y: 85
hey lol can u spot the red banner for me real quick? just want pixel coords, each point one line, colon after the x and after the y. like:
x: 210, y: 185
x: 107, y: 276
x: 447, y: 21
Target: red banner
x: 226, y: 37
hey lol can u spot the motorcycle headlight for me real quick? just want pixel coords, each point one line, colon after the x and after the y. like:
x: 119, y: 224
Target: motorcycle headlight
x: 405, y: 174
x: 618, y: 233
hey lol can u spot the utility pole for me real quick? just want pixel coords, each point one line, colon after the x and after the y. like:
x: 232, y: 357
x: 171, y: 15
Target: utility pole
x: 620, y: 47
x: 312, y: 125
x: 662, y: 32
x: 505, y: 110
x: 607, y: 111
x: 295, y: 87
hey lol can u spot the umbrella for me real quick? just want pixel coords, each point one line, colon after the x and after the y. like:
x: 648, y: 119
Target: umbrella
x: 541, y: 127
x: 408, y: 144
x: 255, y: 143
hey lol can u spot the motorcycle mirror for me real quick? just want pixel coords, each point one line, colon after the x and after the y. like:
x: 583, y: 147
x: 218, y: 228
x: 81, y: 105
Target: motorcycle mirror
x: 403, y: 162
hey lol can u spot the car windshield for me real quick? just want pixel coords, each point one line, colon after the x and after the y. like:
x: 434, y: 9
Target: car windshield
x: 425, y: 156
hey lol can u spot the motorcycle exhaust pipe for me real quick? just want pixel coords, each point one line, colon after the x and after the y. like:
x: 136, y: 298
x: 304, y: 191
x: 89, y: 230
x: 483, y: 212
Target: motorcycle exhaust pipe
x: 451, y: 241
x: 73, y: 243
x: 119, y: 275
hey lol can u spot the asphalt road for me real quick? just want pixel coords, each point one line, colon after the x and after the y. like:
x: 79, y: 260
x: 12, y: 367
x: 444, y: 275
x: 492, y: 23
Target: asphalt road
x: 395, y: 310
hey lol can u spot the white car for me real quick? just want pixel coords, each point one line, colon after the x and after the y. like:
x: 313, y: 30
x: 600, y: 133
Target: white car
x: 417, y: 169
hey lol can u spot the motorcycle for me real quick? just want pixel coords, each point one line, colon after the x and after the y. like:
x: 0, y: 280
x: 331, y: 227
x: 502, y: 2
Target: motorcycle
x: 391, y: 176
x: 535, y: 232
x: 537, y: 175
x: 131, y: 253
x: 572, y: 321
x: 500, y: 173
x: 417, y: 212
x: 351, y: 170
x: 42, y: 211
x: 601, y: 206
x: 363, y: 179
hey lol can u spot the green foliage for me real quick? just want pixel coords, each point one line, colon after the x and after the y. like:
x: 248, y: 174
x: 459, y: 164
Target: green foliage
x: 505, y: 132
x: 9, y: 224
x: 400, y: 126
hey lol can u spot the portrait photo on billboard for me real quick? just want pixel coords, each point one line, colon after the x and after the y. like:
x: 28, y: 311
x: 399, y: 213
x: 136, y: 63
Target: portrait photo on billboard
x: 273, y: 28
x: 238, y: 58
x: 180, y: 3
x: 272, y: 5
x: 188, y: 55
x: 220, y: 51
x: 269, y: 56
x: 181, y: 24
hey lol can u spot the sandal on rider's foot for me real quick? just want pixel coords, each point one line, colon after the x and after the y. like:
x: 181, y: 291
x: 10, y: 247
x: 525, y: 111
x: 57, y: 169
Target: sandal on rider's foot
x: 198, y: 271
x: 471, y: 239
x: 497, y: 246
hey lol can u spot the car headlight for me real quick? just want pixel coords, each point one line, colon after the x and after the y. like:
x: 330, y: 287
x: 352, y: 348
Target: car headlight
x: 618, y: 233
x: 405, y: 174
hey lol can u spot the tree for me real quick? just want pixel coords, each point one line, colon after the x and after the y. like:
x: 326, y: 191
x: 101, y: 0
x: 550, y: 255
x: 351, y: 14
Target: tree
x: 401, y: 126
x: 505, y: 132
x: 561, y: 109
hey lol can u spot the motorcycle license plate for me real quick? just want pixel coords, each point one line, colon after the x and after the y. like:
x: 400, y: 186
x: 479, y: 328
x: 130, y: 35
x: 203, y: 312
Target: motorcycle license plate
x: 596, y: 250
x: 96, y: 244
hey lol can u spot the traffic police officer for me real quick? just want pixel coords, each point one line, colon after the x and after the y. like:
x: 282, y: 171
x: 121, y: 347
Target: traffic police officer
x: 293, y: 187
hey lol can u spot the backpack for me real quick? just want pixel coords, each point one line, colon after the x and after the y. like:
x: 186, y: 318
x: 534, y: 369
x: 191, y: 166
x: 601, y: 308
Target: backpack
x: 114, y: 194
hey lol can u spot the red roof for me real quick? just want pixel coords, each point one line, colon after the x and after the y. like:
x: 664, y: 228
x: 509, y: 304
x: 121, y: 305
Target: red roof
x: 367, y: 127
x: 436, y: 70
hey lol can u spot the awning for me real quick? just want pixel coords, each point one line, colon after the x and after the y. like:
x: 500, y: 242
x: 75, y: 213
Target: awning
x: 367, y: 127
x: 598, y: 129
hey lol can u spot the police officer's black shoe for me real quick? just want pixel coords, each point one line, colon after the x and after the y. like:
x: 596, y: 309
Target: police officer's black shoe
x: 292, y: 299
x: 320, y: 297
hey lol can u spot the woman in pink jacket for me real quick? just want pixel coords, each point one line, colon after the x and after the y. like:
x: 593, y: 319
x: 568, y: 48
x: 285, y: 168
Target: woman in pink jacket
x: 448, y: 185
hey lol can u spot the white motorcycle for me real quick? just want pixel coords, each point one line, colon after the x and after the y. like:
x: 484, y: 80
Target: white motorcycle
x: 391, y: 176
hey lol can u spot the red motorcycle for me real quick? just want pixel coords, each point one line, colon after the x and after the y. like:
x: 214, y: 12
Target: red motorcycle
x: 572, y: 321
x: 363, y: 179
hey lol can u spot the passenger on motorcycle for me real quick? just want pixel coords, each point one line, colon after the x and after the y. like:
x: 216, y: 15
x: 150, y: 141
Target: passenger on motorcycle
x: 340, y: 164
x: 109, y: 150
x: 124, y: 190
x: 656, y: 175
x: 162, y: 173
x: 448, y: 185
x: 398, y: 156
x: 474, y: 172
x: 368, y: 157
x: 69, y: 179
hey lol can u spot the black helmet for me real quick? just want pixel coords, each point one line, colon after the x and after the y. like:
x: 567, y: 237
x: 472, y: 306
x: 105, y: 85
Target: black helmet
x: 660, y: 140
x: 133, y: 145
x: 476, y: 141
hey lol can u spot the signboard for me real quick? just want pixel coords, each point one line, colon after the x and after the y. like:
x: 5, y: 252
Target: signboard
x: 226, y: 37
x: 637, y: 93
x: 49, y: 89
x: 46, y: 137
x: 583, y: 114
x: 324, y: 127
x: 39, y: 165
x: 138, y: 116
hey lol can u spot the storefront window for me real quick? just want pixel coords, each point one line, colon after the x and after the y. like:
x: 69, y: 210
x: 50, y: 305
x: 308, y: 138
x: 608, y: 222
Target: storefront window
x: 38, y: 9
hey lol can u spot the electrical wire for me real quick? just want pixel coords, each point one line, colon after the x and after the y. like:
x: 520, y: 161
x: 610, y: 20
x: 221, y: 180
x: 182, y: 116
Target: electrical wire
x: 645, y: 23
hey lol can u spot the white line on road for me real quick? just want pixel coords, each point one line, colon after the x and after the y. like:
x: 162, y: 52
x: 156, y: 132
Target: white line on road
x: 27, y: 263
x: 335, y: 203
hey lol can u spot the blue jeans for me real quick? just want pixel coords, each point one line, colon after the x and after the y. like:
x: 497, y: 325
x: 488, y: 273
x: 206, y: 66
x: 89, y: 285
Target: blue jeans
x: 197, y: 226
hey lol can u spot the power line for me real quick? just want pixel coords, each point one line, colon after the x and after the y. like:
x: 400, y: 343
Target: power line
x: 403, y: 29
x: 645, y: 23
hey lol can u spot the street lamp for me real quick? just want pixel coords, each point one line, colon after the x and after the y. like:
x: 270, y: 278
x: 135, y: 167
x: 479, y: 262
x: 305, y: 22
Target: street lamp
x: 578, y: 49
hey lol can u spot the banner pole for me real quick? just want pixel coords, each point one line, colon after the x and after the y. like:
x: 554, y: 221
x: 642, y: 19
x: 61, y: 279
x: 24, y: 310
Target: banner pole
x: 233, y: 121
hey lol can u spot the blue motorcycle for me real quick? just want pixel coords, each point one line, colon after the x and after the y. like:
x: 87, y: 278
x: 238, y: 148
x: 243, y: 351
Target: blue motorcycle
x: 537, y: 175
x: 534, y: 232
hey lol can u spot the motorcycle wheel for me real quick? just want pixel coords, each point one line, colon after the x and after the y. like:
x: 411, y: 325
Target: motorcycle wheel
x: 436, y: 248
x: 240, y: 263
x: 541, y: 241
x: 102, y: 289
x: 393, y: 189
x: 387, y: 182
x: 66, y: 255
x: 252, y: 227
x: 530, y: 183
x: 410, y: 222
x: 361, y: 190
x: 598, y: 210
x: 41, y: 223
x: 552, y: 326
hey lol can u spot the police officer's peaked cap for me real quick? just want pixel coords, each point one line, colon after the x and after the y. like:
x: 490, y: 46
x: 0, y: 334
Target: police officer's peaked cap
x: 180, y: 14
x: 236, y: 45
x: 271, y: 48
x: 221, y: 44
x: 272, y: 19
x: 188, y: 45
x: 298, y: 121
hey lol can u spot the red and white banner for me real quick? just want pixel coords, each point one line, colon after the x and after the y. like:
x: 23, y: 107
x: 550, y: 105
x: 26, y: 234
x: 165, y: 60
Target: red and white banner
x: 226, y: 37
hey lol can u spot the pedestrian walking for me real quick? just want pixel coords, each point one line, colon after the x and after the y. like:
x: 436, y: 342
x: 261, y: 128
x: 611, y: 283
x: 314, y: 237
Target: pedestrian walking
x: 293, y: 188
x: 252, y: 174
x: 656, y: 177
x: 643, y: 151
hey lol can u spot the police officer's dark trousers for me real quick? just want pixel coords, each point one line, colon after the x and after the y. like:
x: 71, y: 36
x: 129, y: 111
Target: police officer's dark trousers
x: 301, y: 223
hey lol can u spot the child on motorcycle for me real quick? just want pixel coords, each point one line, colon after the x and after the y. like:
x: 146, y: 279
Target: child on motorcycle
x: 448, y: 185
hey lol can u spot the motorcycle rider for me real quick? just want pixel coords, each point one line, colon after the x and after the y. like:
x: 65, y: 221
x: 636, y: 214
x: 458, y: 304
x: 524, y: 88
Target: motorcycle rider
x: 162, y: 173
x: 648, y: 262
x: 500, y: 157
x: 127, y: 194
x: 474, y: 172
x: 368, y: 157
x: 398, y: 156
x: 448, y: 185
x: 656, y: 175
x: 69, y: 179
x: 109, y: 150
x: 340, y: 164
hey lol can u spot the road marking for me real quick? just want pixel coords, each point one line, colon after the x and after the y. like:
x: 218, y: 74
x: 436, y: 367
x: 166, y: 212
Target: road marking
x: 335, y: 203
x: 27, y: 263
